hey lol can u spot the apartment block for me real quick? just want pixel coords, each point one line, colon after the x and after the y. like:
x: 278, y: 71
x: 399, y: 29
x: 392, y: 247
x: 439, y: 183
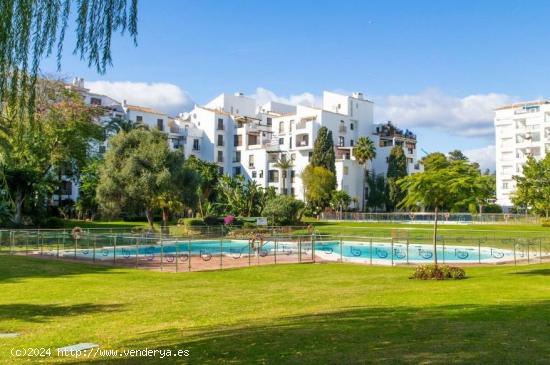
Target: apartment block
x: 521, y: 130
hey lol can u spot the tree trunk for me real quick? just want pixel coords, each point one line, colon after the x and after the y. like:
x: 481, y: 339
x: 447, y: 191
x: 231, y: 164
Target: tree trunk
x: 149, y: 215
x: 19, y: 199
x: 165, y: 217
x: 435, y: 236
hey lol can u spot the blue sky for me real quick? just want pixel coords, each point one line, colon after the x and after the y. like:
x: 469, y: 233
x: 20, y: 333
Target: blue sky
x: 437, y: 67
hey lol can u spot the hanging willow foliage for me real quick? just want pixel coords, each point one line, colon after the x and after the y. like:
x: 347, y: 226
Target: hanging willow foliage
x: 31, y: 30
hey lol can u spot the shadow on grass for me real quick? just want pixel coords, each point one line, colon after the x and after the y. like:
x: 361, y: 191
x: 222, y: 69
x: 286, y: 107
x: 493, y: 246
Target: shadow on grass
x: 534, y: 272
x: 13, y: 268
x: 41, y: 312
x: 473, y: 334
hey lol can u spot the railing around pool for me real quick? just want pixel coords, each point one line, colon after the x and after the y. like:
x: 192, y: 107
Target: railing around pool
x: 218, y: 248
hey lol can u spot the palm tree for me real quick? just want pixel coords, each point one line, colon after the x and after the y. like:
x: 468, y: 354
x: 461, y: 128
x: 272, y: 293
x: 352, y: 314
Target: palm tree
x: 363, y: 152
x: 116, y: 125
x: 284, y: 165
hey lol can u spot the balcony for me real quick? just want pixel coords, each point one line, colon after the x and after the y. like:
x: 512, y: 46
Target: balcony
x: 251, y: 165
x: 302, y: 140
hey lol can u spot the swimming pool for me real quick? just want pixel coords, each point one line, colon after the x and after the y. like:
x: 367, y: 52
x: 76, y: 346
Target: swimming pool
x: 351, y: 251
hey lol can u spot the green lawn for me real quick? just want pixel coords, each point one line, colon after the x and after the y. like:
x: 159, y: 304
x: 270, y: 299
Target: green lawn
x: 300, y: 314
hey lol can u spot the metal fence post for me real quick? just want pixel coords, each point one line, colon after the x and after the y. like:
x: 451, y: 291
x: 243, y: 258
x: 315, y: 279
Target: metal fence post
x: 41, y: 240
x: 221, y: 255
x: 515, y: 260
x: 392, y: 251
x: 341, y: 250
x: 276, y: 239
x: 479, y: 251
x: 95, y: 246
x: 161, y: 252
x: 114, y: 249
x: 189, y: 255
x: 371, y: 251
x: 540, y: 250
x: 300, y: 250
x: 407, y: 250
x: 137, y: 251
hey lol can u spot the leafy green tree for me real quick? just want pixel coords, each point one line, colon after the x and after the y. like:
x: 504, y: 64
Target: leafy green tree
x: 533, y: 188
x: 31, y: 30
x: 434, y: 161
x: 206, y: 188
x: 323, y: 151
x: 397, y: 169
x: 319, y: 183
x: 180, y: 190
x: 340, y: 200
x: 457, y: 155
x: 364, y: 151
x: 139, y: 172
x: 87, y: 204
x: 441, y: 186
x: 34, y: 151
x: 377, y: 192
x: 284, y: 210
x: 486, y: 191
x: 243, y: 197
x: 284, y: 164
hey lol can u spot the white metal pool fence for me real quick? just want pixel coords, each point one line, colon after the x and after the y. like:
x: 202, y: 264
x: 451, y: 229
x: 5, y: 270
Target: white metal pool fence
x: 429, y: 217
x: 214, y: 248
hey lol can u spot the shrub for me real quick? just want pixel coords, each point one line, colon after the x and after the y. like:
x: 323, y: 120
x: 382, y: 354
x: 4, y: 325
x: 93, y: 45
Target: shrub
x: 438, y: 272
x: 212, y: 220
x: 284, y: 210
x: 545, y: 222
x: 191, y: 222
x: 52, y: 222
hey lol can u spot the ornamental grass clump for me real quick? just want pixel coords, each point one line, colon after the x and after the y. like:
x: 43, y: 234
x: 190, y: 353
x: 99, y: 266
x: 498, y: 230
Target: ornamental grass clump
x: 438, y: 272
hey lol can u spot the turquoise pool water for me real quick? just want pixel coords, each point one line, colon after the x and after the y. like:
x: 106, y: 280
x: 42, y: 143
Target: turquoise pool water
x: 328, y: 250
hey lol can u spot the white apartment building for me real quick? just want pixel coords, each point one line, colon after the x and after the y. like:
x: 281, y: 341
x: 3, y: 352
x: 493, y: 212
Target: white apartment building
x: 521, y: 130
x: 247, y: 139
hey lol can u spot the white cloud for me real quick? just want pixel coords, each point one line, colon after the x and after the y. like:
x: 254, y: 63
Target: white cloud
x: 484, y: 156
x: 471, y: 115
x: 263, y: 95
x: 165, y: 97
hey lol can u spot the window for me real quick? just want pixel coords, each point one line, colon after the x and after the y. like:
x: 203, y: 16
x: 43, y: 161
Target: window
x: 220, y: 170
x: 341, y: 141
x: 252, y: 139
x: 220, y: 140
x: 261, y: 174
x: 66, y: 188
x: 291, y: 127
x: 139, y: 118
x: 220, y: 156
x: 237, y: 140
x: 237, y: 156
x: 309, y: 156
x: 251, y: 161
x: 95, y: 101
x: 292, y: 176
x: 290, y: 142
x: 273, y: 176
x: 269, y: 122
x: 102, y: 149
x: 505, y: 185
x: 281, y: 127
x: 160, y: 124
x: 351, y: 126
x: 346, y: 170
x: 236, y: 170
x: 254, y: 174
x: 281, y: 141
x: 351, y: 143
x: 220, y: 124
x: 196, y: 146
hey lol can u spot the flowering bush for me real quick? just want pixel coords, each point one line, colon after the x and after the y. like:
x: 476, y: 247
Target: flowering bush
x: 227, y: 220
x: 438, y: 272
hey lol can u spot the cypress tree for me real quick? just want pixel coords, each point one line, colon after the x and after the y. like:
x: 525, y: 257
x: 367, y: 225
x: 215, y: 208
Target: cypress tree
x: 397, y: 169
x: 323, y: 150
